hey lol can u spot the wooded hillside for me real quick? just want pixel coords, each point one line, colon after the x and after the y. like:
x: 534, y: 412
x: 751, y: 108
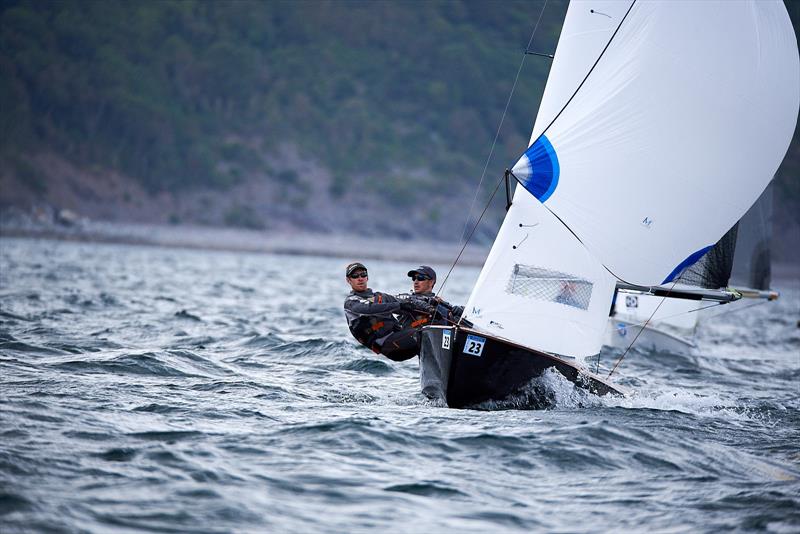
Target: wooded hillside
x: 397, y: 100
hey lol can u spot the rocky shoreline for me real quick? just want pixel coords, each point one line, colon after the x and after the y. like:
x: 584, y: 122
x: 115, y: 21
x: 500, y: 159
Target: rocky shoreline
x: 65, y: 225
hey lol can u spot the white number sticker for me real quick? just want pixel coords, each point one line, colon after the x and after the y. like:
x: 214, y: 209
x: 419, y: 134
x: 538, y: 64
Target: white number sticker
x: 474, y: 345
x: 446, y: 340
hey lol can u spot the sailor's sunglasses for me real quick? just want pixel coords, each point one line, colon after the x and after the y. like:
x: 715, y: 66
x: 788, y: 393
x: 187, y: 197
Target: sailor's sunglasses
x: 420, y: 277
x: 362, y: 274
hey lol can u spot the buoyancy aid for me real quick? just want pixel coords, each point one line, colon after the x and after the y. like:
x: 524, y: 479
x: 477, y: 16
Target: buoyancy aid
x: 369, y: 317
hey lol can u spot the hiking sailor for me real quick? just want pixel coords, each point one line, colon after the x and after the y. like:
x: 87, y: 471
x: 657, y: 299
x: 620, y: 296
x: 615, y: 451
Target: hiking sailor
x: 371, y: 320
x: 428, y: 308
x: 423, y: 278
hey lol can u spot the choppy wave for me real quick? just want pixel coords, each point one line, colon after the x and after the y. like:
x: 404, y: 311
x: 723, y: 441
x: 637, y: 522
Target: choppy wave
x: 167, y: 390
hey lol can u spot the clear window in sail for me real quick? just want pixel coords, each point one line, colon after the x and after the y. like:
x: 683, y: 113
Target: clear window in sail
x: 551, y: 286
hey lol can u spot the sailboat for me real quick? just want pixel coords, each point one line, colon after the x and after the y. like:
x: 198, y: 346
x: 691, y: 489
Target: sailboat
x: 680, y: 109
x: 740, y: 261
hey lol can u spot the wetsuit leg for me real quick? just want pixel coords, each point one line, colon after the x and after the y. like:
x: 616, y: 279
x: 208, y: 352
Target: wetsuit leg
x: 402, y: 345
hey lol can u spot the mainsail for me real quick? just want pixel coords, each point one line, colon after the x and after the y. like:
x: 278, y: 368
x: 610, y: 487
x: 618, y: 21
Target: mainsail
x: 660, y: 125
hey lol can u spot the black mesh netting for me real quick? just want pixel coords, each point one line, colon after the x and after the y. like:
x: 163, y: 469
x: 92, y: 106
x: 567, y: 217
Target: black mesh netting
x: 713, y: 270
x: 552, y: 286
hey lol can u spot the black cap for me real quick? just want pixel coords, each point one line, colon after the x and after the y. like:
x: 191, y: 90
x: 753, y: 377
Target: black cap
x: 353, y: 267
x: 423, y: 269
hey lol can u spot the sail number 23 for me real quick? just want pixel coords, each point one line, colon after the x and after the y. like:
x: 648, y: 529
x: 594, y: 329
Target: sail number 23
x: 474, y: 345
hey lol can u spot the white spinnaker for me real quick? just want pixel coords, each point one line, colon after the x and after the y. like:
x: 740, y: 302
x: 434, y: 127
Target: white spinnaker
x: 686, y: 116
x: 587, y: 29
x: 540, y: 287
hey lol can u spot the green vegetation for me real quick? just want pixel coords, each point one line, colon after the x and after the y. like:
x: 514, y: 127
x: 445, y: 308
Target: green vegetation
x: 187, y: 93
x: 28, y: 175
x: 195, y: 93
x: 243, y: 217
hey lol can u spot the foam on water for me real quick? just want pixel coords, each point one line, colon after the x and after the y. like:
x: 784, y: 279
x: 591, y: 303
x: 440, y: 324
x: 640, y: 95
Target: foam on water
x: 553, y: 391
x: 169, y: 390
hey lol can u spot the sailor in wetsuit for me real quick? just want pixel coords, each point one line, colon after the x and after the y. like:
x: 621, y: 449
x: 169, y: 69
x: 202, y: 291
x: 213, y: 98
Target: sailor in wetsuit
x: 428, y: 309
x: 371, y: 320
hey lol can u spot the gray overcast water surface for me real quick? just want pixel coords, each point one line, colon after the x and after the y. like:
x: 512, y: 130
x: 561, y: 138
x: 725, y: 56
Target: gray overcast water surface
x: 156, y: 389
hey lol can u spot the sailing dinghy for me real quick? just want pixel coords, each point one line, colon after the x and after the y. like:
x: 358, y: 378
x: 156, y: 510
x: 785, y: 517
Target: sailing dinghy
x: 660, y: 125
x: 740, y: 261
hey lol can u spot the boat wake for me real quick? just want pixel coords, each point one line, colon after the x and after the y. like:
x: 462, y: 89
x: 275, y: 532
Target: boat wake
x: 548, y: 391
x: 733, y: 411
x: 552, y: 391
x: 224, y: 422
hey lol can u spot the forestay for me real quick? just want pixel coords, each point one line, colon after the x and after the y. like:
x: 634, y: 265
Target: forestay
x: 686, y: 117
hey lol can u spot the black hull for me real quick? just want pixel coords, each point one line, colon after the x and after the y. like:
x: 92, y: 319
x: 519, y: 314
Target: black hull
x: 493, y: 369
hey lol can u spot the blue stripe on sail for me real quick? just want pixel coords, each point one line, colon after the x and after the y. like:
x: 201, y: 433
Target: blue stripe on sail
x: 691, y: 260
x: 545, y: 169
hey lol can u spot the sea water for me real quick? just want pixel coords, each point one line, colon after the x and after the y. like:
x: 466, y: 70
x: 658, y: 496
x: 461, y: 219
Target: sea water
x: 156, y: 389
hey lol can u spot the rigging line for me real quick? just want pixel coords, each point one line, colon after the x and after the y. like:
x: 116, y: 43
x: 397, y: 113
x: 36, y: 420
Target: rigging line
x: 543, y: 132
x: 703, y: 308
x: 488, y: 203
x: 714, y: 305
x: 588, y: 73
x: 640, y: 331
x: 728, y: 312
x: 602, y: 53
x: 554, y: 119
x: 489, y: 158
x: 500, y: 126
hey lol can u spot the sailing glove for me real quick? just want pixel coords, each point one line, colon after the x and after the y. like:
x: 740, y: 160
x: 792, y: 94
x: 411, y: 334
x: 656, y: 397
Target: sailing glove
x: 407, y: 306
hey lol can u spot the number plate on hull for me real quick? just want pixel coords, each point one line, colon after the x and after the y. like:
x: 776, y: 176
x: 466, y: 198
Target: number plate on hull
x: 474, y: 345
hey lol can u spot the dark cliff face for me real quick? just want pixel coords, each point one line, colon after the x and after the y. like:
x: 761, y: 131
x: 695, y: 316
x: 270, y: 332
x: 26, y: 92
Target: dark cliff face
x: 312, y: 115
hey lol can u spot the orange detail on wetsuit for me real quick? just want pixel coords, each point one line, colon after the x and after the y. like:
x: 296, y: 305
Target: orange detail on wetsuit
x: 419, y: 322
x: 377, y: 326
